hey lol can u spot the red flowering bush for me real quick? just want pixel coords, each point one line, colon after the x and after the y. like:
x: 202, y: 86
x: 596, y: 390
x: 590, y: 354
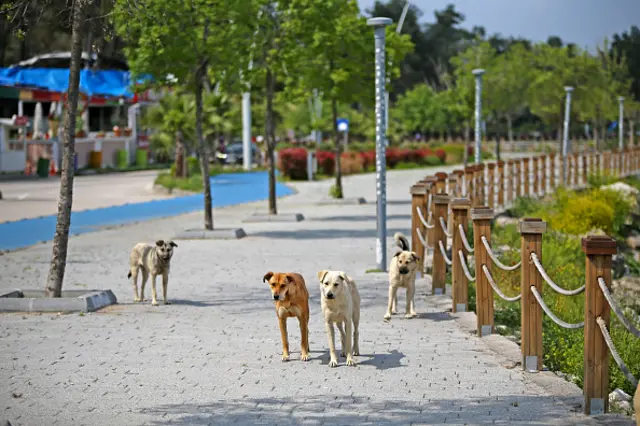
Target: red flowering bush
x: 292, y: 162
x: 326, y: 162
x: 368, y: 159
x: 441, y: 154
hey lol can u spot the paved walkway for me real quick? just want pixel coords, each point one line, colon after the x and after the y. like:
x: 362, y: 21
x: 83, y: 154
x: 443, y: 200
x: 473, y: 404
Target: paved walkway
x: 213, y: 356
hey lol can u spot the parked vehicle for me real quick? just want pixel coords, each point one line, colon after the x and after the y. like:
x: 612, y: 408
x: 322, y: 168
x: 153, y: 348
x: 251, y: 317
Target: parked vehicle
x: 232, y: 154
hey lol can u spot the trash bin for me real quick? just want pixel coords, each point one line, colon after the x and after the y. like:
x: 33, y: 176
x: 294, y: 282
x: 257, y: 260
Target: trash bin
x: 141, y: 157
x: 122, y: 159
x: 43, y: 167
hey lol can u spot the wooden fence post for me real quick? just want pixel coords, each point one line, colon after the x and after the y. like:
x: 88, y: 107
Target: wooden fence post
x: 597, y: 169
x: 531, y: 231
x: 439, y: 271
x: 459, y: 284
x: 418, y: 201
x: 592, y: 158
x: 536, y: 188
x: 460, y: 187
x: 480, y: 184
x: 576, y: 168
x: 525, y: 163
x: 552, y: 171
x: 452, y: 184
x: 441, y: 183
x: 501, y: 184
x: 518, y: 180
x: 599, y: 251
x: 510, y: 177
x: 491, y: 184
x: 431, y: 187
x: 482, y: 217
x: 585, y: 168
x: 469, y: 190
x: 606, y: 163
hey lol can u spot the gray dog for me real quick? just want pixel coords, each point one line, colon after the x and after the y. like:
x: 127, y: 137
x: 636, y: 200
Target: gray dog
x: 154, y: 260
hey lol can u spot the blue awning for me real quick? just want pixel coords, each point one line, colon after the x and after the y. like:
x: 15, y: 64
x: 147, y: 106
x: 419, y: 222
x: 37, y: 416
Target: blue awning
x: 111, y: 83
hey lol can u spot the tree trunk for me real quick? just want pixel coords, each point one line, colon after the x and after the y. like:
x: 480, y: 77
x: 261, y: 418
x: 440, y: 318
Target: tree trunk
x: 510, y: 128
x: 338, y: 149
x: 61, y: 238
x: 271, y: 140
x: 181, y: 170
x: 467, y: 131
x: 204, y: 156
x: 497, y: 147
x: 596, y: 136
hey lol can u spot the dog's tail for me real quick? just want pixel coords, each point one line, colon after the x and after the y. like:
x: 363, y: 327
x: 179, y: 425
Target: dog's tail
x: 401, y: 241
x: 129, y: 274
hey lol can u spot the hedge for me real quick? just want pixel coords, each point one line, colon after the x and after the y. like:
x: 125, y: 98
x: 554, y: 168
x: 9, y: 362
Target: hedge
x: 292, y: 162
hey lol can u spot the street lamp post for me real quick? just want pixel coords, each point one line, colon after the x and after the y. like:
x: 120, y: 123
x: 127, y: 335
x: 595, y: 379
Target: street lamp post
x: 478, y: 73
x: 621, y: 125
x: 565, y: 136
x: 379, y: 25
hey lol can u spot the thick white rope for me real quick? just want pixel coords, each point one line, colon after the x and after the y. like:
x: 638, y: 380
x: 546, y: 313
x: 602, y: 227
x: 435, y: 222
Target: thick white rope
x: 554, y: 286
x: 463, y: 236
x: 495, y: 258
x: 424, y: 222
x: 487, y: 274
x: 444, y: 253
x: 421, y: 238
x: 547, y: 311
x: 614, y: 306
x: 465, y: 268
x: 614, y: 352
x: 444, y: 227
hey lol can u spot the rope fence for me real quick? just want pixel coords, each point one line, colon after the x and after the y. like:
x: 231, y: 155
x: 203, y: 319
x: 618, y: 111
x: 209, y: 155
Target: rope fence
x: 468, y: 197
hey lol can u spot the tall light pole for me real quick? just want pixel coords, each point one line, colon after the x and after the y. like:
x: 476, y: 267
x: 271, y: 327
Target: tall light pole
x: 565, y: 136
x: 247, y: 156
x: 379, y: 25
x: 478, y: 73
x: 621, y: 125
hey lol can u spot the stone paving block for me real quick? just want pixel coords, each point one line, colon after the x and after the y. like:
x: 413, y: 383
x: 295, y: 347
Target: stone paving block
x: 280, y: 217
x: 350, y: 201
x: 215, y: 234
x: 35, y: 301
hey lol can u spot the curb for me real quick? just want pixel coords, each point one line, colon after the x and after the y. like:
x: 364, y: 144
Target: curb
x: 72, y: 301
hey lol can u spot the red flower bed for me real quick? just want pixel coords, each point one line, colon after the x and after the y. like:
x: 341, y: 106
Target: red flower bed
x: 292, y: 162
x: 326, y: 162
x: 441, y: 154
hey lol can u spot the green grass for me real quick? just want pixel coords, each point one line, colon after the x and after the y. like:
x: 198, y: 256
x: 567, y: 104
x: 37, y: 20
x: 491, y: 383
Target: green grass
x: 194, y: 182
x: 373, y: 271
x: 132, y: 168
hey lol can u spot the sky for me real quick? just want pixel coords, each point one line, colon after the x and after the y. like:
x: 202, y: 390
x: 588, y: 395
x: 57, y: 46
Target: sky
x: 584, y: 22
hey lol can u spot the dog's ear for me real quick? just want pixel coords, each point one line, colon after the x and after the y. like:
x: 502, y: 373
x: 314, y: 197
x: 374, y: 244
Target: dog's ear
x: 321, y: 274
x: 160, y: 243
x: 415, y: 256
x: 267, y: 276
x: 397, y: 254
x: 172, y: 244
x: 344, y: 277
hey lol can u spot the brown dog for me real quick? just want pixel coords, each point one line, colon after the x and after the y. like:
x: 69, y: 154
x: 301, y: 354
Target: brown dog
x: 291, y: 298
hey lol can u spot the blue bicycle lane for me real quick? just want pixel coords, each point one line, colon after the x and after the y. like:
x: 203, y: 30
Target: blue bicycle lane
x: 226, y: 189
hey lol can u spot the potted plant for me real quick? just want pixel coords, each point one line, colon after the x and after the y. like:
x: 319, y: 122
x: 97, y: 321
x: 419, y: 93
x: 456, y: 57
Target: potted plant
x: 101, y: 134
x: 127, y: 131
x: 117, y: 132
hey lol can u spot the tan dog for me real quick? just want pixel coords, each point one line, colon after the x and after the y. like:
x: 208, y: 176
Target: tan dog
x: 292, y: 300
x: 402, y: 274
x: 340, y: 303
x: 154, y: 261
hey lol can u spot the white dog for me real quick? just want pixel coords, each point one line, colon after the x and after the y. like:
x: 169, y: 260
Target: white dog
x: 340, y: 303
x: 402, y: 274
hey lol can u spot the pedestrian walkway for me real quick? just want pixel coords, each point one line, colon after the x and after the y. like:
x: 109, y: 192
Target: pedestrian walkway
x: 213, y: 356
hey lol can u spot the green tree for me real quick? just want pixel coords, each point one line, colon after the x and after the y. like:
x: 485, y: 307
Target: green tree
x: 193, y: 42
x: 332, y: 50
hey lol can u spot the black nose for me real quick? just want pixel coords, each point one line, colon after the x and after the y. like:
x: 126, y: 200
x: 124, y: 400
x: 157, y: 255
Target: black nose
x: 276, y: 296
x: 329, y: 295
x: 404, y: 270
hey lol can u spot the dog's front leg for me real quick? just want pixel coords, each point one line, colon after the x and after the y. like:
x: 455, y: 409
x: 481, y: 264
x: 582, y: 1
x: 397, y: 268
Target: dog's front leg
x: 145, y: 278
x: 410, y: 313
x: 304, y: 331
x: 165, y: 284
x: 347, y: 340
x: 392, y: 295
x: 394, y: 306
x: 341, y: 329
x: 331, y: 334
x: 134, y: 278
x: 154, y: 302
x: 285, y: 338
